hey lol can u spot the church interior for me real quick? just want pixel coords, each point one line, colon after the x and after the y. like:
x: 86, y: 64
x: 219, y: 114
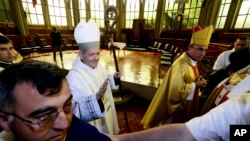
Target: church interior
x: 145, y: 30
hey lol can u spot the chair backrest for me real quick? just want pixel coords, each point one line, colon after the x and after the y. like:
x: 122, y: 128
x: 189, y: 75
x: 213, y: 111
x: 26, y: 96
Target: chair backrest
x: 43, y: 42
x: 22, y: 44
x: 158, y: 45
x: 155, y: 44
x: 170, y: 47
x: 162, y: 46
x: 177, y: 53
x: 32, y: 43
x: 166, y: 46
x: 173, y: 49
x: 64, y: 41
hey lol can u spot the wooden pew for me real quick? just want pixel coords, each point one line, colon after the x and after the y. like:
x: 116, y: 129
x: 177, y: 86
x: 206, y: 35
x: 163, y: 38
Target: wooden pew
x: 214, y: 50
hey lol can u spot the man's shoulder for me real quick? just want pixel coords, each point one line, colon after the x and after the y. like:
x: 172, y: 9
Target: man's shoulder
x: 245, y: 99
x: 82, y: 130
x: 6, y: 136
x: 241, y: 104
x: 227, y: 52
x: 77, y: 123
x: 4, y: 65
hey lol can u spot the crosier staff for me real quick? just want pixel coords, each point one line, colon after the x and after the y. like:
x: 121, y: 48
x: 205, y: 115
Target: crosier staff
x: 112, y: 13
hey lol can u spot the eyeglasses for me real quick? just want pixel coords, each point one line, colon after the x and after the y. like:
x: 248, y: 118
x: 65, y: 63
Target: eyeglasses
x: 48, y: 119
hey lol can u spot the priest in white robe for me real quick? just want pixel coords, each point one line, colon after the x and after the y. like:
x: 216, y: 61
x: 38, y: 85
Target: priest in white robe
x: 89, y: 83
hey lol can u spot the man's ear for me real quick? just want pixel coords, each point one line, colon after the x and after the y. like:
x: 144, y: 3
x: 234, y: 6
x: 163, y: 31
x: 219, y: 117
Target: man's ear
x: 5, y: 122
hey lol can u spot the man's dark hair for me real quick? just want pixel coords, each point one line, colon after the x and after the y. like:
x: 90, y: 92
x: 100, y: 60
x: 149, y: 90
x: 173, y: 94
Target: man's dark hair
x: 240, y: 58
x: 242, y: 38
x: 46, y: 77
x: 54, y: 28
x: 4, y: 40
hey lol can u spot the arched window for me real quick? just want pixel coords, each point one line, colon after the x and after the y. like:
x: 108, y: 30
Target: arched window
x: 111, y: 2
x: 243, y: 19
x: 97, y: 12
x: 150, y: 10
x: 132, y: 12
x: 57, y: 12
x: 191, y: 14
x: 170, y: 15
x: 224, y: 8
x: 33, y: 13
x: 5, y: 11
x: 82, y: 10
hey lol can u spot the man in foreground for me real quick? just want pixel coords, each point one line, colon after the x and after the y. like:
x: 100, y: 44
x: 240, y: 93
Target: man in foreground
x: 36, y: 105
x: 213, y: 126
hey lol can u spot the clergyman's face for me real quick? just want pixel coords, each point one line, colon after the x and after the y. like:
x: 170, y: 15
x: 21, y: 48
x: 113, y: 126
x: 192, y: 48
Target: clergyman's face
x: 30, y: 105
x: 197, y: 52
x: 91, y: 57
x: 6, y: 53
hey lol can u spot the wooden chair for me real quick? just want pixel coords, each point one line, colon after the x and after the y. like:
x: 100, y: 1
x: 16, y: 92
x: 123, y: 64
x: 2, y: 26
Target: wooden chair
x: 169, y: 61
x: 24, y: 49
x: 154, y: 47
x: 66, y: 45
x: 44, y: 46
x: 32, y: 44
x: 74, y: 44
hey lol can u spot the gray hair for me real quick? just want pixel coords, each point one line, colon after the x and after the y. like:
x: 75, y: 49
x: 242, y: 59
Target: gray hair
x: 88, y: 45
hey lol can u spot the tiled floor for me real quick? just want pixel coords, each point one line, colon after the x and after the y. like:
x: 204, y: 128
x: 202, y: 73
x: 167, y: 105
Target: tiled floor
x: 136, y: 66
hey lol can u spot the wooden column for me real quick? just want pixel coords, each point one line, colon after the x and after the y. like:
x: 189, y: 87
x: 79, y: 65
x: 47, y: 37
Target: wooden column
x: 46, y: 17
x: 88, y: 13
x: 209, y: 12
x: 232, y: 14
x: 18, y: 15
x: 76, y: 12
x: 159, y: 17
x: 68, y: 13
x: 121, y: 20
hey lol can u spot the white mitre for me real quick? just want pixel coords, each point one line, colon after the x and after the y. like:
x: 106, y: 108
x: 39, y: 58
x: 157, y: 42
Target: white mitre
x: 87, y: 35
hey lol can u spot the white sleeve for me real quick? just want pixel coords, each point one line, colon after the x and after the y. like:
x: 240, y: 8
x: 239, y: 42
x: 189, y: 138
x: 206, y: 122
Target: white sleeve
x: 216, y: 123
x: 219, y: 62
x: 87, y: 107
x: 191, y: 94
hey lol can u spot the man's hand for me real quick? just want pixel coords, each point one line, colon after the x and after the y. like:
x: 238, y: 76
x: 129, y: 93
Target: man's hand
x: 201, y: 82
x: 117, y: 75
x: 102, y: 90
